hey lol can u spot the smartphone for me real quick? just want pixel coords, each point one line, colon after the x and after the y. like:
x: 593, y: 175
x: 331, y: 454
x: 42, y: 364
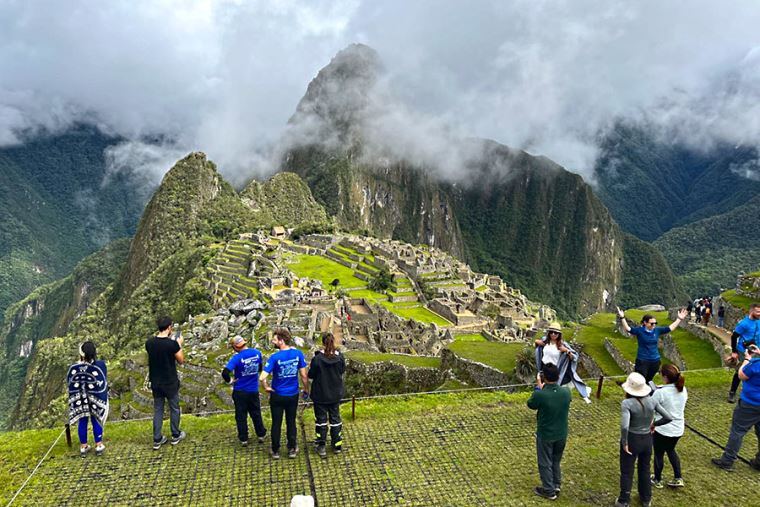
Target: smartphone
x: 177, y: 332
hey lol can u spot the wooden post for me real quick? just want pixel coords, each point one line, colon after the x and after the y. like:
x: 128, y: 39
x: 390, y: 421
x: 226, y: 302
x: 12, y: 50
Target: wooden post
x: 599, y: 387
x: 353, y: 408
x: 68, y: 434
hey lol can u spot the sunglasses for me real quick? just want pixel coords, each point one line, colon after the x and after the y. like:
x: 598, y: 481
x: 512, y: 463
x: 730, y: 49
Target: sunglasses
x: 653, y: 322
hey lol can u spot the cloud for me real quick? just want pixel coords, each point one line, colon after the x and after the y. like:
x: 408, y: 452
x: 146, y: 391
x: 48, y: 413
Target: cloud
x: 224, y: 76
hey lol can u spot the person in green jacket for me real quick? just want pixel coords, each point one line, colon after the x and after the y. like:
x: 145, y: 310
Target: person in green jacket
x: 553, y: 405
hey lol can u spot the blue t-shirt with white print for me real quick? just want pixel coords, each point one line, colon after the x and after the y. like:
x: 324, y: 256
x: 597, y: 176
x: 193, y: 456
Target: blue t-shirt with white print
x: 284, y: 366
x: 245, y: 366
x: 749, y: 329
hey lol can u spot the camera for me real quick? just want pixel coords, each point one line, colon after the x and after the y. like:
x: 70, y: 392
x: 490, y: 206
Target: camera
x: 753, y: 349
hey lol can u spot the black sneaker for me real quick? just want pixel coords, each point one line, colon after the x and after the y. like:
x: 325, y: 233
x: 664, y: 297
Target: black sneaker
x: 337, y: 450
x: 157, y: 445
x: 549, y: 495
x: 292, y: 453
x: 728, y: 467
x: 244, y: 443
x: 179, y: 438
x: 732, y: 397
x: 321, y: 451
x: 260, y: 439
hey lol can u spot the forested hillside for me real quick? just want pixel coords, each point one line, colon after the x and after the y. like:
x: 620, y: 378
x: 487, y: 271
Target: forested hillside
x: 56, y: 207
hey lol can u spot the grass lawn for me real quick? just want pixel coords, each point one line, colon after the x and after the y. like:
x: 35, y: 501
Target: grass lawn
x: 321, y: 268
x: 469, y: 338
x: 732, y: 298
x: 498, y: 355
x: 418, y: 313
x: 591, y: 334
x: 410, y: 361
x: 369, y: 295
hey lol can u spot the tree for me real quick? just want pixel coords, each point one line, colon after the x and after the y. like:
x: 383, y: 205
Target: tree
x: 381, y: 282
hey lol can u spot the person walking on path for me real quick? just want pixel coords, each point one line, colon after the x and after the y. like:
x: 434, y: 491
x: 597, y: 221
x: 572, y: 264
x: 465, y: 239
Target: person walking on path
x: 721, y: 317
x: 636, y: 421
x: 552, y: 404
x: 326, y: 375
x: 164, y: 352
x: 672, y: 396
x: 87, y: 382
x: 648, y: 335
x: 285, y: 366
x: 746, y: 333
x: 552, y: 349
x: 747, y: 412
x: 245, y: 367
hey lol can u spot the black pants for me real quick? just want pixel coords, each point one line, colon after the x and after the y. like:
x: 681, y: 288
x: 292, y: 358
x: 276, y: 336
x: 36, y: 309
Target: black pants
x: 248, y: 404
x: 647, y: 368
x: 549, y: 457
x: 735, y: 381
x: 641, y: 451
x: 323, y: 412
x: 662, y: 445
x: 288, y: 404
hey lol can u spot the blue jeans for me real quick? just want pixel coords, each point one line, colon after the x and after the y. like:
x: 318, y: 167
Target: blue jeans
x: 97, y: 430
x: 159, y: 395
x: 745, y: 417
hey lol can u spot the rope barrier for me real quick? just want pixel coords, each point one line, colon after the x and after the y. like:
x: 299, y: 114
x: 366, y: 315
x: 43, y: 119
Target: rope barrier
x: 18, y: 492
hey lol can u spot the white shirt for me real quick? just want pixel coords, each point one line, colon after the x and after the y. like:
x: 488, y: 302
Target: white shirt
x: 674, y: 403
x: 551, y: 354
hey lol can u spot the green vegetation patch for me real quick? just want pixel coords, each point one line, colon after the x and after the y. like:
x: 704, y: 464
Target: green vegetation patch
x: 737, y: 300
x: 417, y: 312
x: 501, y: 356
x: 321, y: 268
x: 469, y: 338
x: 410, y: 361
x: 591, y: 334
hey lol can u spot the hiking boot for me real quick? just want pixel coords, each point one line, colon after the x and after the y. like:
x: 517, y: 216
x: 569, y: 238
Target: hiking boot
x: 549, y: 495
x: 676, y: 483
x: 618, y: 503
x: 732, y: 397
x: 275, y: 454
x: 244, y: 443
x: 657, y: 484
x: 718, y: 462
x: 157, y: 445
x: 321, y: 451
x: 100, y: 449
x: 755, y: 463
x: 84, y: 450
x: 292, y: 453
x: 179, y: 438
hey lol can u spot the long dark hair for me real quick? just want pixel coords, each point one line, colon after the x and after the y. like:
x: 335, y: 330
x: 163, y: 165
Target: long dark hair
x: 87, y: 352
x: 673, y: 374
x: 328, y: 340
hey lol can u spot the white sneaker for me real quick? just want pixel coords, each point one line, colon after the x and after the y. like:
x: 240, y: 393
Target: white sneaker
x: 587, y: 400
x: 99, y: 449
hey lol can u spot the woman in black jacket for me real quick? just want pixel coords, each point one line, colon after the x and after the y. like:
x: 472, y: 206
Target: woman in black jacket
x: 326, y: 374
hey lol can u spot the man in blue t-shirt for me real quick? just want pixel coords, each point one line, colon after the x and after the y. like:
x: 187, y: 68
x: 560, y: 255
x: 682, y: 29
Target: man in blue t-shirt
x: 285, y: 366
x: 245, y: 366
x: 747, y: 411
x: 746, y: 333
x: 648, y: 355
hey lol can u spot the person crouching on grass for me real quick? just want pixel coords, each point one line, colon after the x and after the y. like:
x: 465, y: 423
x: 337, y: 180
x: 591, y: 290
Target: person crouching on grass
x: 285, y: 366
x: 326, y: 374
x: 553, y: 405
x: 245, y: 366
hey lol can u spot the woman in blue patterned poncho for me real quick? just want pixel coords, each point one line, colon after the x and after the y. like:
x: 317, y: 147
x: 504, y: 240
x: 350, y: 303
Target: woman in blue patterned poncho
x: 88, y: 397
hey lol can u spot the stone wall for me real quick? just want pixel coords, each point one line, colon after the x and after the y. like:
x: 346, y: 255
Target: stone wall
x: 472, y: 372
x: 618, y: 356
x: 386, y: 377
x: 733, y: 314
x: 670, y: 350
x: 587, y: 363
x: 702, y: 333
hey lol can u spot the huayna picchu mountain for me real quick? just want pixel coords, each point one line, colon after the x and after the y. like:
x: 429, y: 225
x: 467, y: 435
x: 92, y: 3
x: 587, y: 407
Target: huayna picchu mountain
x: 508, y: 212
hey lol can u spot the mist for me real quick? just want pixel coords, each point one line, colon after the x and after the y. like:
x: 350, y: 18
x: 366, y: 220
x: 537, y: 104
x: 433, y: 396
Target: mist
x: 225, y: 76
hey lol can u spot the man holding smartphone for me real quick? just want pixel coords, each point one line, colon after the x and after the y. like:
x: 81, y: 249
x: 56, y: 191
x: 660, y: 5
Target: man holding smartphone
x: 164, y: 352
x: 747, y: 411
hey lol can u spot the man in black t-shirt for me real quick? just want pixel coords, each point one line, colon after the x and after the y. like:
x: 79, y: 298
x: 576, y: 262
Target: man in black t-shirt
x: 164, y: 352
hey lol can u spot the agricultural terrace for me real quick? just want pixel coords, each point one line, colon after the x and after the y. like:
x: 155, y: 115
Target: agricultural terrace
x: 460, y: 449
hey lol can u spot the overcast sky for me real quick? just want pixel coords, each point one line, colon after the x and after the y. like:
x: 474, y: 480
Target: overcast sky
x: 224, y: 76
